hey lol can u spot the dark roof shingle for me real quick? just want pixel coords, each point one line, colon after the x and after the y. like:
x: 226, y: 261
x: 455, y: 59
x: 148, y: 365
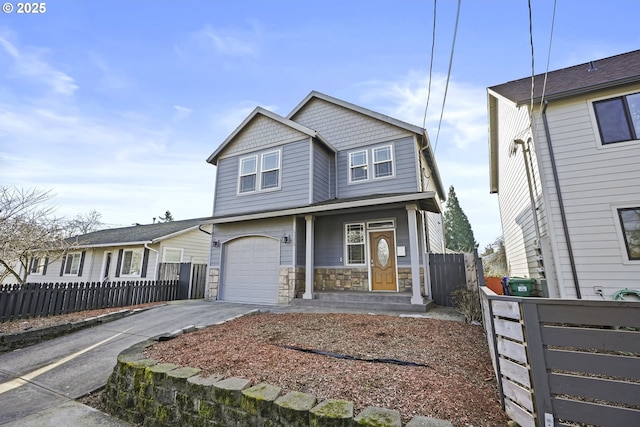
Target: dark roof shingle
x: 609, y: 72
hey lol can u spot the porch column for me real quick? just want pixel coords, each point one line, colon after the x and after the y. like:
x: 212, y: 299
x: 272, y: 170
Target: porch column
x: 416, y: 297
x: 308, y: 265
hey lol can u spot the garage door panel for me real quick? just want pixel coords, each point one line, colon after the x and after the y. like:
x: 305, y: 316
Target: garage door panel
x: 251, y: 270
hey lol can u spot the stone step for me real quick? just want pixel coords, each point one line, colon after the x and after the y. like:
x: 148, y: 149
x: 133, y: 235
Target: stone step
x: 364, y: 304
x: 386, y: 297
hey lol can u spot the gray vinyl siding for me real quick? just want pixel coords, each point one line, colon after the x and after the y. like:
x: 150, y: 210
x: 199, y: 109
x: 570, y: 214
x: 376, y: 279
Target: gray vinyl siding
x: 595, y: 181
x: 329, y: 235
x: 404, y: 179
x: 323, y: 173
x: 275, y: 227
x: 294, y: 190
x: 344, y: 128
x: 300, y: 242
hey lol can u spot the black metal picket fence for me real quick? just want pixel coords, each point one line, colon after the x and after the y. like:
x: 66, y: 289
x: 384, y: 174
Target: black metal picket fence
x: 50, y: 299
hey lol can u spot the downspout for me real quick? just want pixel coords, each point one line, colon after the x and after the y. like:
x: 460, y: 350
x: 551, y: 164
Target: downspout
x: 563, y: 214
x: 534, y: 209
x: 155, y: 271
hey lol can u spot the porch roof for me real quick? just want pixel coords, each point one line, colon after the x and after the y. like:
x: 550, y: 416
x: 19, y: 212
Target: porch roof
x: 426, y: 201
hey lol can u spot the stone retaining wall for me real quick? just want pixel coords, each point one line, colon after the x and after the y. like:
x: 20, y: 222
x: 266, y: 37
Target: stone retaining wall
x: 152, y: 394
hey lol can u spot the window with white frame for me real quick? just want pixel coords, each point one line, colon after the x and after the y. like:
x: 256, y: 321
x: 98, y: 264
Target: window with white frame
x: 72, y: 264
x: 618, y: 118
x: 358, y: 166
x: 248, y: 174
x: 382, y: 162
x: 38, y: 265
x: 355, y: 244
x: 131, y: 262
x: 172, y: 255
x: 630, y: 223
x: 270, y: 170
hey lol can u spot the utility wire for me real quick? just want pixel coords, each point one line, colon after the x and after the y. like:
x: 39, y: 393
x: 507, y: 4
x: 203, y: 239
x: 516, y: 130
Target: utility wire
x: 546, y: 72
x: 433, y: 44
x: 446, y: 87
x: 532, y: 62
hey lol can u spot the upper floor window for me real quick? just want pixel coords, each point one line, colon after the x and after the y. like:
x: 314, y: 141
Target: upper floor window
x: 131, y: 262
x: 358, y: 166
x: 630, y: 222
x: 618, y: 118
x: 382, y: 162
x: 248, y: 173
x: 38, y: 266
x: 270, y: 170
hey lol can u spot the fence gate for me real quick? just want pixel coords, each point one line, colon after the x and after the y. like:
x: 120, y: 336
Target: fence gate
x: 448, y: 273
x: 198, y: 281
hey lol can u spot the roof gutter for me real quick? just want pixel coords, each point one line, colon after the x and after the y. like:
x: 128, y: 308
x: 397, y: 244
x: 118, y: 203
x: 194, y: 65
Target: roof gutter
x: 563, y: 214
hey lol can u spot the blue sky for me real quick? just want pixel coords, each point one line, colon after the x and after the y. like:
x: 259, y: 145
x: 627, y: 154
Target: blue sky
x: 115, y: 105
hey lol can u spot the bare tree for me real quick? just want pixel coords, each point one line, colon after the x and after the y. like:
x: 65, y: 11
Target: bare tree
x: 84, y: 223
x: 28, y: 232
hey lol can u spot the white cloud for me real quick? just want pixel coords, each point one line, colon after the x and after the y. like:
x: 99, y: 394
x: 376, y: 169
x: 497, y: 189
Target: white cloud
x: 181, y: 112
x: 30, y: 64
x: 227, y: 44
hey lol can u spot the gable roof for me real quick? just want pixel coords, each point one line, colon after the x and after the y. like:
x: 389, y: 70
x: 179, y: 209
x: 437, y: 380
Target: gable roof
x: 213, y: 158
x: 137, y: 234
x: 426, y: 148
x: 595, y: 75
x: 361, y: 110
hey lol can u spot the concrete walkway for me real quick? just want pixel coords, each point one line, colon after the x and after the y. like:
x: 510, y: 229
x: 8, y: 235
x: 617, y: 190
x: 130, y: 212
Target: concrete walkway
x: 39, y: 384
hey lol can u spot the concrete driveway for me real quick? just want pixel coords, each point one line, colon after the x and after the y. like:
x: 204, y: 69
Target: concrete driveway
x: 38, y: 384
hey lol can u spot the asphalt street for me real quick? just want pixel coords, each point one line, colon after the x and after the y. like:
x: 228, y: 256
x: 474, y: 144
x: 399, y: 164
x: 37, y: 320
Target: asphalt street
x: 39, y: 384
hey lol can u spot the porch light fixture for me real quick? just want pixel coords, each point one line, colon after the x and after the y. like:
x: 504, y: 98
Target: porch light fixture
x: 215, y: 243
x: 285, y: 238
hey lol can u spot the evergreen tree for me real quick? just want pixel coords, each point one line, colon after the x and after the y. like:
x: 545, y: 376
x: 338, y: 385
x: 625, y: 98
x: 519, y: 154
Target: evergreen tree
x: 458, y: 233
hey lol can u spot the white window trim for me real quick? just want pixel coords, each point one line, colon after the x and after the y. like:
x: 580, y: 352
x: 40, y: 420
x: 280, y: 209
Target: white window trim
x: 164, y: 254
x: 122, y: 274
x: 240, y: 174
x: 596, y: 129
x: 620, y: 235
x: 278, y: 168
x: 66, y: 263
x: 370, y: 163
x: 38, y: 267
x: 366, y: 166
x: 364, y: 243
x: 391, y: 159
x: 103, y: 270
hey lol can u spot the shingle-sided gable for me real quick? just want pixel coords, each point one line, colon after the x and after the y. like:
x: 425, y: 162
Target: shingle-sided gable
x: 260, y: 133
x: 343, y: 127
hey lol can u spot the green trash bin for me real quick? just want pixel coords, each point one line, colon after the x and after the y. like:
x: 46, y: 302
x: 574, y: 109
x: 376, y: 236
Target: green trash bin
x: 521, y: 286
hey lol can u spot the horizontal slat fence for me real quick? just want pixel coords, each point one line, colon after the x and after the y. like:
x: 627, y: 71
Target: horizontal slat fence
x: 50, y: 299
x: 565, y: 362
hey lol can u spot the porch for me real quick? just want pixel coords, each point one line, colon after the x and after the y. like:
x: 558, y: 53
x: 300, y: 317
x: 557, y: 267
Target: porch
x: 359, y: 300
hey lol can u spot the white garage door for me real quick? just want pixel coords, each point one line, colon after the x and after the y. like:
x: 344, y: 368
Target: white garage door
x: 251, y: 270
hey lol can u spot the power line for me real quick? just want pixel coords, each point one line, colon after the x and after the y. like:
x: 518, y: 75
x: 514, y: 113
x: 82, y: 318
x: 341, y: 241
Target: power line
x: 546, y: 72
x: 446, y: 87
x: 532, y: 62
x: 433, y: 44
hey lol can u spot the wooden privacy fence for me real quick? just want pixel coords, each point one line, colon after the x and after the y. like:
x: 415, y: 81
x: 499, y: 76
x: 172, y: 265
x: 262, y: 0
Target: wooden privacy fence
x: 447, y: 273
x: 565, y: 362
x: 50, y: 299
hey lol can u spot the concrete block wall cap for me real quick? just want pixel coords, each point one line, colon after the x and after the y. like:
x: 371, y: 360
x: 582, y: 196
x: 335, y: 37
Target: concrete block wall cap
x: 297, y: 401
x: 333, y: 409
x: 373, y: 416
x: 428, y: 422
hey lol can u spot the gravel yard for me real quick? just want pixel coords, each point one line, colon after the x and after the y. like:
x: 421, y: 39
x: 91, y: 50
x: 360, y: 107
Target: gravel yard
x: 457, y: 385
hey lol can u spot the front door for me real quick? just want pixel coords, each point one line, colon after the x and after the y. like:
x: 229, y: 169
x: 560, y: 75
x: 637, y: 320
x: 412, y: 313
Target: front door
x: 383, y: 261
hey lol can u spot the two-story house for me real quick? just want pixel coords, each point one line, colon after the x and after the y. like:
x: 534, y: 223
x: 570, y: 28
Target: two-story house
x: 333, y: 197
x: 566, y: 168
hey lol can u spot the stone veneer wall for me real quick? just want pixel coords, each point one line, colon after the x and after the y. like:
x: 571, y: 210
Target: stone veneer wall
x: 152, y: 394
x: 357, y: 279
x: 291, y: 281
x: 211, y: 293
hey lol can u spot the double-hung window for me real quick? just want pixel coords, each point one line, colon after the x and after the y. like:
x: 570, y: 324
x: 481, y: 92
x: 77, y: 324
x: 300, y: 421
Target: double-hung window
x: 358, y: 166
x: 248, y: 173
x: 270, y: 170
x: 72, y: 264
x: 382, y: 162
x: 630, y: 222
x: 172, y: 255
x: 38, y: 266
x: 132, y: 263
x: 618, y: 118
x: 355, y: 244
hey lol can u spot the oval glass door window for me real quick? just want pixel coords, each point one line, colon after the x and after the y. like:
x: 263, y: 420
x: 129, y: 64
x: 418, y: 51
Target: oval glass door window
x: 383, y: 252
